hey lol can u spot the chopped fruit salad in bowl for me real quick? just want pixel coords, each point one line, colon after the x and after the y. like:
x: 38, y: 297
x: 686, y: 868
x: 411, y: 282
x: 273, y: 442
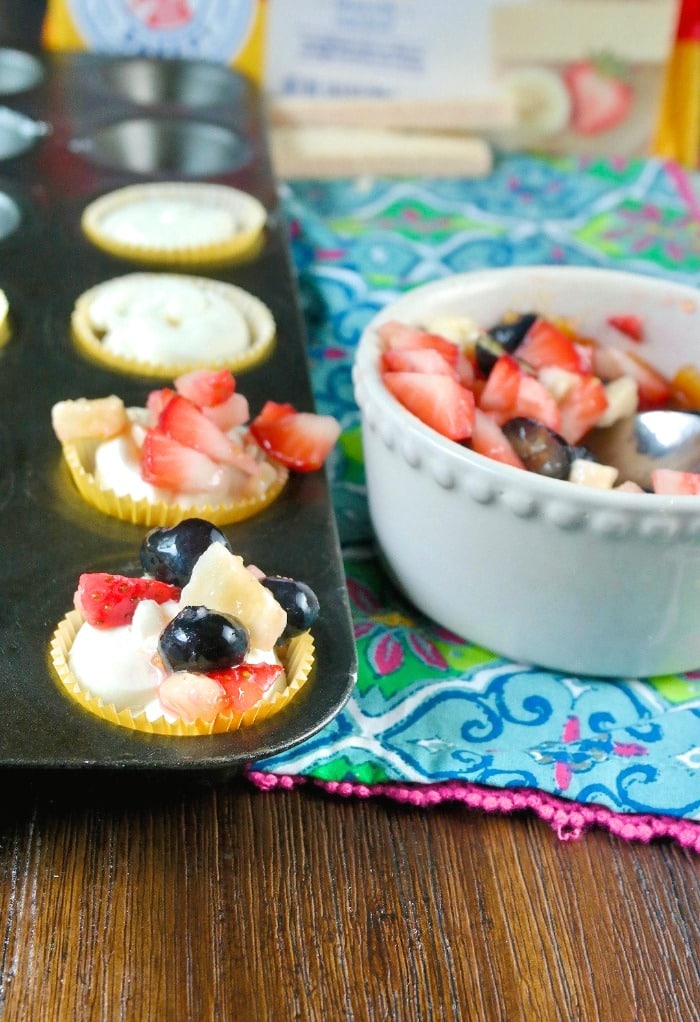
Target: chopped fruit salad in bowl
x: 479, y: 395
x: 200, y: 643
x: 193, y: 447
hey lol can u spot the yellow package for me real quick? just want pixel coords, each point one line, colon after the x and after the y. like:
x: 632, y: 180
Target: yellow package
x: 678, y: 128
x: 228, y: 31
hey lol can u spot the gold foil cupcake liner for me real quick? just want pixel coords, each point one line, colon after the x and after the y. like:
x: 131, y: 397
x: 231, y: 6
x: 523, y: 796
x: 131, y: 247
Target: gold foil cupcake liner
x: 258, y: 317
x: 244, y: 242
x: 297, y: 658
x: 79, y: 456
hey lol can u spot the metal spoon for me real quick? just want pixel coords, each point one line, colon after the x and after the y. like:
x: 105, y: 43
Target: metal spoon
x: 640, y: 443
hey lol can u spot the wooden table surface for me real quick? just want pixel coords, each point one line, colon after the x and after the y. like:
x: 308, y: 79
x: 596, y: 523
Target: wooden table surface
x: 134, y: 899
x: 129, y: 898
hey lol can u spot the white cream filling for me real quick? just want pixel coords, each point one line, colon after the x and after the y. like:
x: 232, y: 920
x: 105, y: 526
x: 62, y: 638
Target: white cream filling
x: 169, y: 321
x: 169, y: 223
x: 121, y: 665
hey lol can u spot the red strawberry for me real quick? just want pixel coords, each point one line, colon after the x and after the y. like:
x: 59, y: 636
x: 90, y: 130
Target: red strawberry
x: 534, y: 401
x: 172, y: 466
x: 108, y: 601
x: 395, y: 335
x: 489, y: 439
x: 157, y: 400
x: 438, y: 401
x: 246, y: 684
x: 581, y: 408
x: 500, y: 391
x: 418, y: 360
x: 600, y: 99
x: 629, y: 325
x: 184, y: 422
x: 675, y: 483
x: 547, y: 345
x: 206, y: 387
x: 610, y: 363
x: 230, y: 413
x: 300, y: 440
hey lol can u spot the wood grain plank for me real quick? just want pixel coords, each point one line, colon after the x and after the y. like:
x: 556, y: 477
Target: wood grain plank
x: 212, y: 902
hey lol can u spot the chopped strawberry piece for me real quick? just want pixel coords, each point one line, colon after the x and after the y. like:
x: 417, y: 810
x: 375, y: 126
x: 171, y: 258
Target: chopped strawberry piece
x: 157, y: 400
x: 396, y: 335
x: 438, y: 401
x: 417, y: 360
x: 674, y: 482
x: 547, y: 345
x: 206, y: 387
x: 534, y: 401
x: 173, y: 466
x: 274, y: 411
x: 108, y: 601
x: 501, y: 388
x: 246, y: 684
x: 489, y: 439
x: 600, y: 100
x: 230, y: 413
x: 581, y: 408
x: 629, y: 325
x: 300, y: 440
x: 184, y: 422
x: 611, y: 363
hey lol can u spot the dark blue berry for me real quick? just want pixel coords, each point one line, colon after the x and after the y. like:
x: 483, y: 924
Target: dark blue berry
x: 539, y: 448
x: 170, y: 554
x: 502, y: 339
x: 298, y: 599
x: 200, y: 639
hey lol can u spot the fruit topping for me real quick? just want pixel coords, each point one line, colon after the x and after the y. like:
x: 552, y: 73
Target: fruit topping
x: 101, y: 418
x: 184, y: 422
x: 192, y: 696
x: 400, y: 336
x: 547, y: 345
x: 246, y: 684
x: 108, y: 601
x: 298, y: 600
x: 540, y: 449
x: 173, y: 466
x: 206, y: 387
x: 200, y: 639
x: 510, y: 333
x: 438, y: 401
x: 629, y: 325
x: 170, y: 554
x: 300, y: 440
x: 221, y: 581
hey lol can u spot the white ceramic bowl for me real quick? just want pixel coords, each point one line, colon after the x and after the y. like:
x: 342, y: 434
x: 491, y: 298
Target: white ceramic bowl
x: 541, y: 571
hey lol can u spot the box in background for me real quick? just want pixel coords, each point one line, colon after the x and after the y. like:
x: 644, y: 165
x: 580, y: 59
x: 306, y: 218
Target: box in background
x: 564, y: 76
x: 227, y: 31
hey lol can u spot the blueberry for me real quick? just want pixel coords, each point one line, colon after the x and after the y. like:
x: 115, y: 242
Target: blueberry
x: 298, y: 599
x: 511, y: 332
x: 502, y: 339
x: 200, y: 639
x: 170, y: 554
x: 539, y: 448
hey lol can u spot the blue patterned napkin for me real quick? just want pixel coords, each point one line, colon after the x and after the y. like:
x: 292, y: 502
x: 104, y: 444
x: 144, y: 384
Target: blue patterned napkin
x: 429, y: 707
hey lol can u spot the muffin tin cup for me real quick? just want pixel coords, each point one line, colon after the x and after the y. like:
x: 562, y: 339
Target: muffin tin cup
x: 245, y: 210
x: 79, y: 457
x: 297, y: 659
x: 257, y: 316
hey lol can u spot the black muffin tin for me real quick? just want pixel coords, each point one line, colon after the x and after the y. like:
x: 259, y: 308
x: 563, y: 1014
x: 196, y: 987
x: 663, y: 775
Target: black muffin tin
x: 76, y: 127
